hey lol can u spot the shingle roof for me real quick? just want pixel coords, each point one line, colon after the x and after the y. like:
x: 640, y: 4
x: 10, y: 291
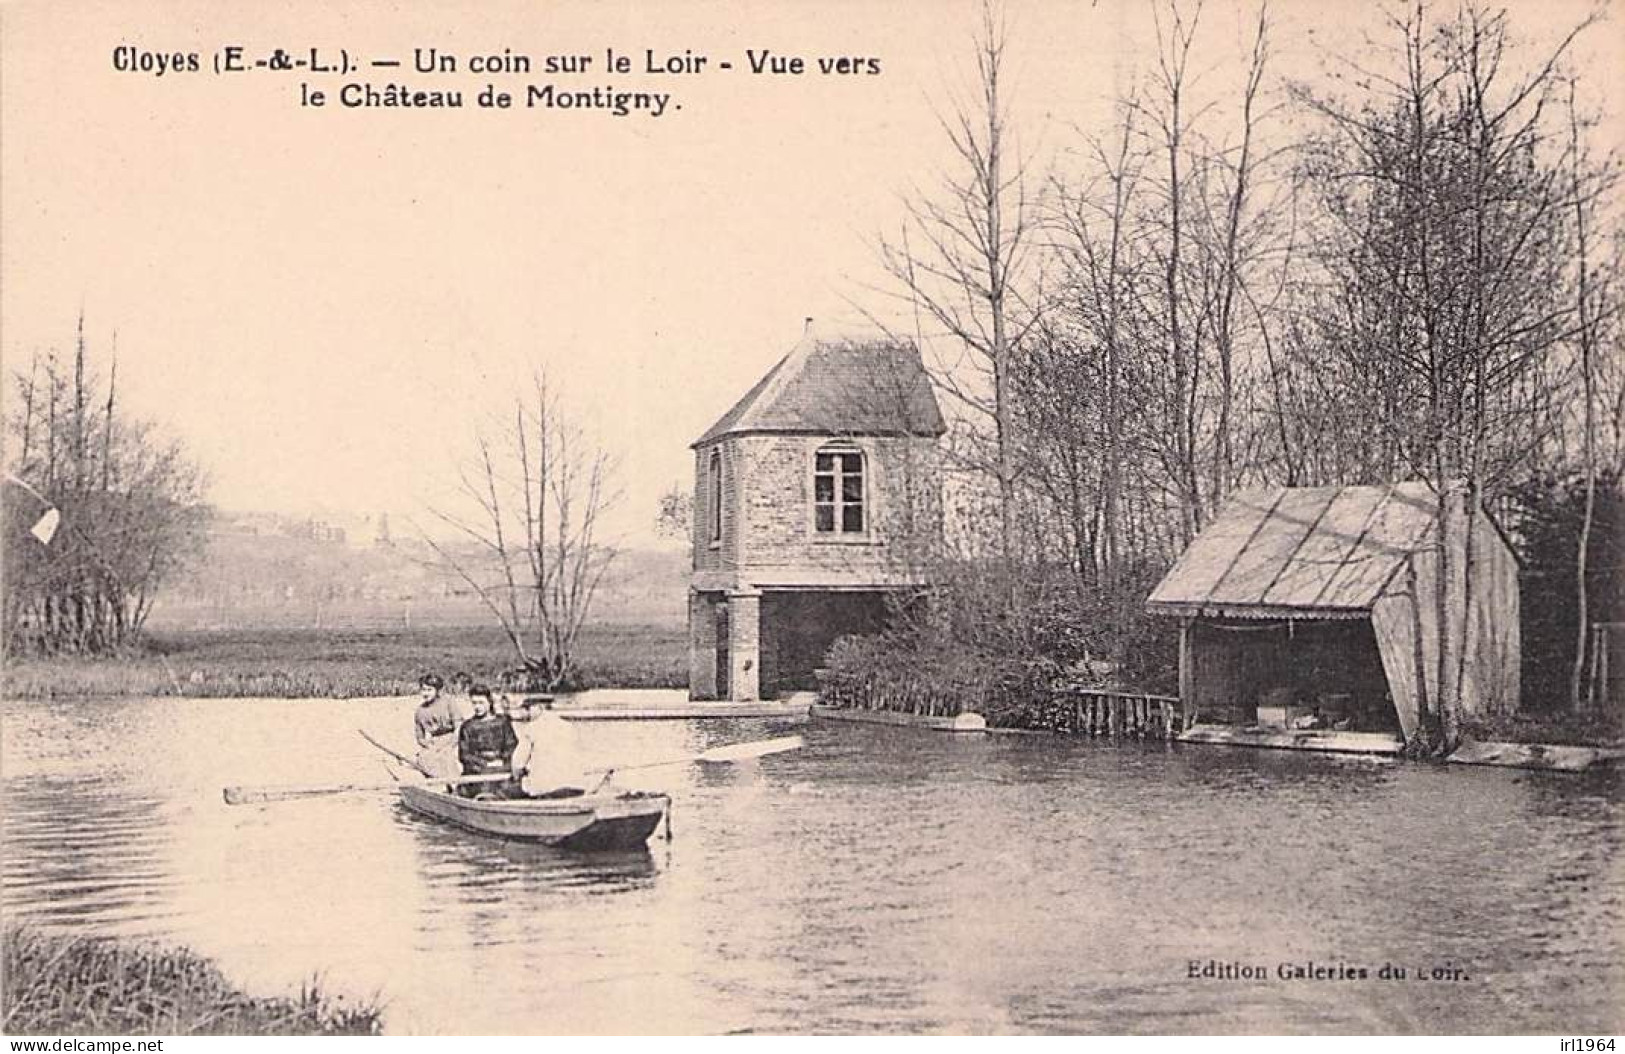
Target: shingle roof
x: 1326, y: 549
x: 871, y: 385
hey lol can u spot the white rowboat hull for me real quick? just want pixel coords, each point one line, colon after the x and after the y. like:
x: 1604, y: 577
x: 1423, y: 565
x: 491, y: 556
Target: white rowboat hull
x: 590, y: 821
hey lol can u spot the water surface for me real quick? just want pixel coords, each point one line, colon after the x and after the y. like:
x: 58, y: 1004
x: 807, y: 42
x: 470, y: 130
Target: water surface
x: 880, y: 880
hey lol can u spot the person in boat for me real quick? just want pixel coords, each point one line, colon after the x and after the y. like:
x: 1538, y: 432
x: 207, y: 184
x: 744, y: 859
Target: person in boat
x: 434, y: 726
x: 554, y: 768
x: 459, y: 685
x: 486, y: 744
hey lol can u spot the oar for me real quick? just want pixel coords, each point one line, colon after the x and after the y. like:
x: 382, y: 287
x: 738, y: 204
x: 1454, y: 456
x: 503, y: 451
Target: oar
x: 402, y: 758
x: 732, y: 752
x: 252, y: 795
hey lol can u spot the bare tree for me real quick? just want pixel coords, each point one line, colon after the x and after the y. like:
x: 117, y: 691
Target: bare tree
x: 128, y: 501
x: 1176, y: 33
x: 1445, y: 272
x: 541, y: 489
x: 1167, y: 265
x: 962, y: 261
x: 1074, y: 378
x: 674, y: 517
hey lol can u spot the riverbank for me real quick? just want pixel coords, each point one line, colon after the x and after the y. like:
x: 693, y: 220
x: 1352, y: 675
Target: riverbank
x: 59, y: 984
x: 338, y: 664
x: 1558, y: 727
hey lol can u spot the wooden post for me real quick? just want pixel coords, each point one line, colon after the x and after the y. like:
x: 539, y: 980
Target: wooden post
x: 1599, y: 666
x: 1187, y: 674
x: 1599, y: 685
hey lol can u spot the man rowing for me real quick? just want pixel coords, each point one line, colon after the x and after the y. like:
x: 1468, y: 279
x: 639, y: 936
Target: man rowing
x: 554, y: 768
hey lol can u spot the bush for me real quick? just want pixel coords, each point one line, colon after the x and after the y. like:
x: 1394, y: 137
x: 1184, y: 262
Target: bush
x: 965, y: 650
x: 1547, y: 513
x: 56, y: 984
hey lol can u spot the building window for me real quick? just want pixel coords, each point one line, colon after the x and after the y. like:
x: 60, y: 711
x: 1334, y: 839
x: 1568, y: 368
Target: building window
x: 716, y: 496
x: 838, y: 492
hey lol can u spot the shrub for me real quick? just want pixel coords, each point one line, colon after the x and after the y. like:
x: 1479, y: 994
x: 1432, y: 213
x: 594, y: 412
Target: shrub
x: 965, y: 649
x: 56, y: 983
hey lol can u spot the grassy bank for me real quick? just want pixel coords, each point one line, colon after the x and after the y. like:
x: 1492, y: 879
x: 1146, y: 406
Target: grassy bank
x: 56, y: 984
x: 338, y: 663
x: 1587, y: 728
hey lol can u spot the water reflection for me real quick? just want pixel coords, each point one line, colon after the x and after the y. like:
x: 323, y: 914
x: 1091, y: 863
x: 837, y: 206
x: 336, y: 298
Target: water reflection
x: 59, y: 834
x: 493, y: 869
x: 877, y: 880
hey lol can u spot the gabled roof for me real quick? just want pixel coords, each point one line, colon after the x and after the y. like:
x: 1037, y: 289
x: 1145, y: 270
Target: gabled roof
x: 867, y: 385
x: 1330, y: 550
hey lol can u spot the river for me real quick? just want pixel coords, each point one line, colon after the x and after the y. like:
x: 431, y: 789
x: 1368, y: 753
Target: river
x: 878, y: 880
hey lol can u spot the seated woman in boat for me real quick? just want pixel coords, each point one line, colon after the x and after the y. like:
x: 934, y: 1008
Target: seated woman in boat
x: 485, y: 746
x: 434, y: 726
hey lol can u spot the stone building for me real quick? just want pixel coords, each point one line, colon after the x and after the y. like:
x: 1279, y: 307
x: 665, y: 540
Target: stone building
x: 813, y: 497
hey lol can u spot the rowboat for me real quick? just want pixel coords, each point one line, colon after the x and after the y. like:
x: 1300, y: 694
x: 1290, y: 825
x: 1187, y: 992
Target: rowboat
x: 622, y: 820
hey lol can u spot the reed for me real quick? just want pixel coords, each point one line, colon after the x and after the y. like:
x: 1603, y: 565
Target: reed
x: 339, y: 664
x: 63, y: 984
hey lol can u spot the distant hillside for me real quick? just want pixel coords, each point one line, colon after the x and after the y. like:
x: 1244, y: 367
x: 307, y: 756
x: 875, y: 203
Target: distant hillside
x: 267, y: 571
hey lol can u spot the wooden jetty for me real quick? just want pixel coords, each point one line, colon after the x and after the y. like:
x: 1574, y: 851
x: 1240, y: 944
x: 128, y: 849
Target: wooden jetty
x: 1113, y: 712
x: 654, y: 704
x: 1550, y: 757
x: 959, y: 723
x: 1318, y: 739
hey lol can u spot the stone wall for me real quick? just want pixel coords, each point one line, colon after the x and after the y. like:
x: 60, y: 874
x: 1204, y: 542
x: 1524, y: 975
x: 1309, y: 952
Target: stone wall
x: 709, y: 553
x: 775, y: 502
x: 769, y: 540
x: 702, y: 645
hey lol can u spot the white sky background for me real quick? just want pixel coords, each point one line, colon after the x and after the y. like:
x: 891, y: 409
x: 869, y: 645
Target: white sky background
x: 316, y: 301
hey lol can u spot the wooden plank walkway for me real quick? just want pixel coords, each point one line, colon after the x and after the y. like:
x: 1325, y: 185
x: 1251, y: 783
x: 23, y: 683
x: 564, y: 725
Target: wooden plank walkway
x: 671, y: 705
x: 1323, y: 740
x: 962, y: 723
x: 1537, y: 756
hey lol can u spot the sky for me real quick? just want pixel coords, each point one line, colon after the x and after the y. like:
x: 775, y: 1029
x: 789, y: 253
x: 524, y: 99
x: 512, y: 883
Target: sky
x: 321, y: 302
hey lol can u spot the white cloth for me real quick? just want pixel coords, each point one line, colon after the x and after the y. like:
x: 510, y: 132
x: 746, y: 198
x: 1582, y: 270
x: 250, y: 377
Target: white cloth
x: 439, y: 758
x: 555, y: 756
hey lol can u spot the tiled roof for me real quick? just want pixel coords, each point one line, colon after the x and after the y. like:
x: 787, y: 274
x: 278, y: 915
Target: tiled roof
x: 1326, y: 549
x: 871, y: 385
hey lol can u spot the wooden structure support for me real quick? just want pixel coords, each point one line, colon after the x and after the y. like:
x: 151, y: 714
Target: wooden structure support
x: 1110, y: 712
